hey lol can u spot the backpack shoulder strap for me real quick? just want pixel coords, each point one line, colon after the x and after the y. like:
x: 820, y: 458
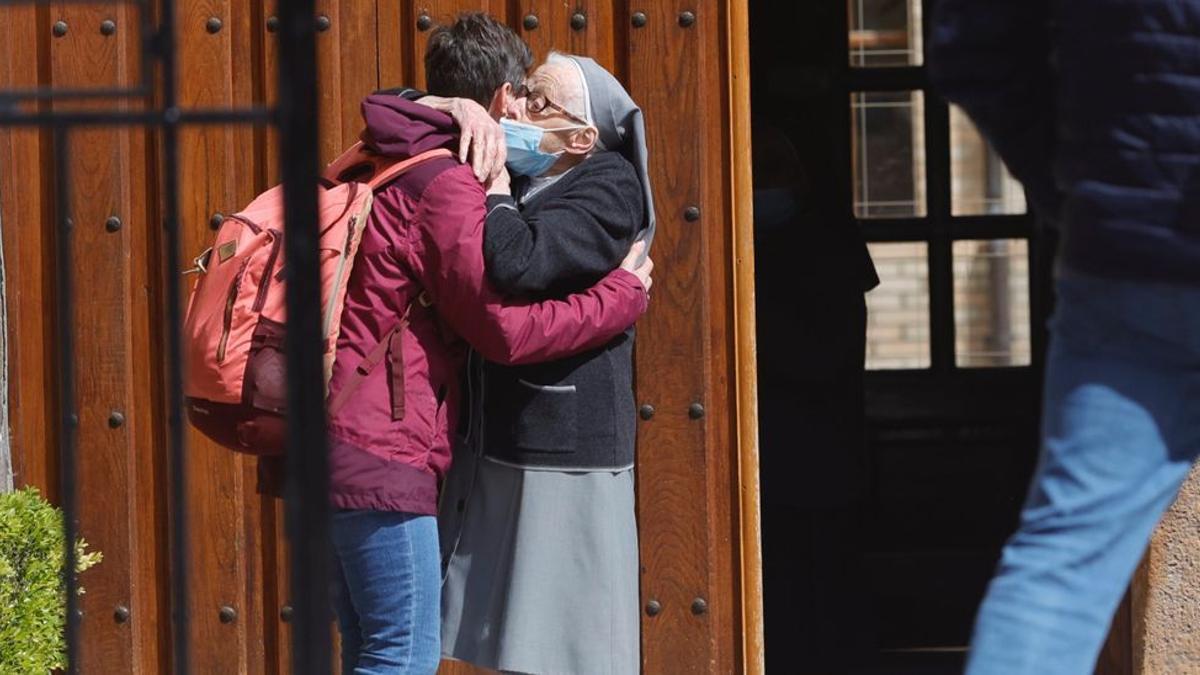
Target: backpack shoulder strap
x: 358, y: 164
x: 386, y: 173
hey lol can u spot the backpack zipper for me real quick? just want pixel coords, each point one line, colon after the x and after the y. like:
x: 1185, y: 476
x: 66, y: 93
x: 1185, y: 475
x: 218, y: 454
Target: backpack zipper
x: 254, y: 227
x: 230, y: 301
x: 261, y: 299
x: 343, y: 258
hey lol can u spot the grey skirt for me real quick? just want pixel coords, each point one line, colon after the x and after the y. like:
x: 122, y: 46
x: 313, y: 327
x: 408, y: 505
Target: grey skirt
x: 540, y: 569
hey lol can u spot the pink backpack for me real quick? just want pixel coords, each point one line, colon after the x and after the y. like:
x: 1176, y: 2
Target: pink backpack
x: 233, y: 333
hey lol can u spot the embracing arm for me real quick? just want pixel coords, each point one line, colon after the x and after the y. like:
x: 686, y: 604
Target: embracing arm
x: 446, y: 256
x: 480, y: 137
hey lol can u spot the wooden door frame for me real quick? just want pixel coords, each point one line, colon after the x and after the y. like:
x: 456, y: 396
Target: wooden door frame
x: 745, y: 343
x: 6, y: 474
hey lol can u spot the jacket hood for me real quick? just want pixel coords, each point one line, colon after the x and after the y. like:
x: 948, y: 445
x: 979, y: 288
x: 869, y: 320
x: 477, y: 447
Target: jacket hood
x: 397, y: 127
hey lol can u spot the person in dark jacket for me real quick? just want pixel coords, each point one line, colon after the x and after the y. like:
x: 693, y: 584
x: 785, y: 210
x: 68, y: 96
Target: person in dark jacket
x: 1095, y: 107
x: 416, y: 298
x: 538, y: 523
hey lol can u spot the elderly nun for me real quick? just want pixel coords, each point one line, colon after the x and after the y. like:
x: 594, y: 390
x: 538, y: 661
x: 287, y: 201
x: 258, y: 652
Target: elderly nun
x: 539, y: 533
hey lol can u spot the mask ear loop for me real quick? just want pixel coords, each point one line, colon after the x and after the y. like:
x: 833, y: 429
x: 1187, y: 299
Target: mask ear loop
x: 580, y: 127
x: 569, y: 127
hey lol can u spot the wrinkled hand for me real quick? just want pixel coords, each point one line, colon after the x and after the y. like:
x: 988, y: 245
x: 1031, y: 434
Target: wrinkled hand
x: 642, y: 271
x: 481, y: 139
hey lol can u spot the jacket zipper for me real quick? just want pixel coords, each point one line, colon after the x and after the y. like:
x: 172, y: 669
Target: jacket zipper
x: 481, y: 439
x: 230, y: 301
x: 470, y: 403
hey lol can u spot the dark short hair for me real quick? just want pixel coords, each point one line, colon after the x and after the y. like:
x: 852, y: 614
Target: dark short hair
x: 474, y: 57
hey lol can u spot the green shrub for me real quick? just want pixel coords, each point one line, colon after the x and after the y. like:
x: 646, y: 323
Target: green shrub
x: 32, y: 597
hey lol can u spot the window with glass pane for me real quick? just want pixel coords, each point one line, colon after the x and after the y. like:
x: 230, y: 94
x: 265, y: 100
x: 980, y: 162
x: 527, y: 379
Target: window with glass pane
x: 980, y: 185
x: 991, y: 303
x: 888, y: 143
x: 898, y: 309
x: 885, y: 33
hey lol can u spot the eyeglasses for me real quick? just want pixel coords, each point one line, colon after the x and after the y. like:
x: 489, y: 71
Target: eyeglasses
x: 536, y: 102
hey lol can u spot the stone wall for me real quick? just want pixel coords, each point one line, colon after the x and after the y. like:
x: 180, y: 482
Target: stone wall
x: 1166, y: 592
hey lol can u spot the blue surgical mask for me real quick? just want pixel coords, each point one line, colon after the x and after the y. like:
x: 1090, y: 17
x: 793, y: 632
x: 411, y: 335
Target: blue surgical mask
x: 524, y: 142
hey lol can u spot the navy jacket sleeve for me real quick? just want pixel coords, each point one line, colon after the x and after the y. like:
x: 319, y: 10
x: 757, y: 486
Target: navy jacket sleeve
x: 993, y: 58
x: 571, y: 236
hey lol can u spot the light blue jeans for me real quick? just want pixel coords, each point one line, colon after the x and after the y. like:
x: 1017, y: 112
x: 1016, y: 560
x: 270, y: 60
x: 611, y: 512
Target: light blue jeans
x: 388, y: 599
x: 1120, y: 429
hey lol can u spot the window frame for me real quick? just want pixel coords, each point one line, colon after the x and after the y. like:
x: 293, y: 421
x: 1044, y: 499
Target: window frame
x: 938, y: 228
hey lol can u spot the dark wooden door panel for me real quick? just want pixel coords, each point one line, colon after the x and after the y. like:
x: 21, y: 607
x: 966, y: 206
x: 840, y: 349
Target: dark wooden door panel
x: 684, y: 490
x: 104, y: 165
x: 27, y: 212
x: 584, y: 27
x: 218, y: 177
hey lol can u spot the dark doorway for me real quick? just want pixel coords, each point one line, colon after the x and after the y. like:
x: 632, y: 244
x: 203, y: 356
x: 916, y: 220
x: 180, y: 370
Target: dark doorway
x: 895, y: 449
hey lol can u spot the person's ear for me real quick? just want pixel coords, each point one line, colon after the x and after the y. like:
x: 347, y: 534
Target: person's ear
x: 502, y: 100
x: 582, y: 141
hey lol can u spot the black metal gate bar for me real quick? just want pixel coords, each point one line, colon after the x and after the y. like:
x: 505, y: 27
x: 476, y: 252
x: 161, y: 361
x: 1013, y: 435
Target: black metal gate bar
x: 68, y: 417
x: 307, y: 491
x: 175, y: 439
x: 63, y: 94
x: 140, y: 118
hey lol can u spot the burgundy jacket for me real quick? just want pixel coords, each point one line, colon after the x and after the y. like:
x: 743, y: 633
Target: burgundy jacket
x: 426, y: 234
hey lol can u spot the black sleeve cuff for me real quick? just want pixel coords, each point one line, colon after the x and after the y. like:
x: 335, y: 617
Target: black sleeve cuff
x: 500, y: 200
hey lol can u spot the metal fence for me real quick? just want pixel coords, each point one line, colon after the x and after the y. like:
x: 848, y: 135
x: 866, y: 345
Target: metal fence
x: 295, y: 116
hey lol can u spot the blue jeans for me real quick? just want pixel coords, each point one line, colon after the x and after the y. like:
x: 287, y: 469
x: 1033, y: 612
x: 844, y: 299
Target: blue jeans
x: 1120, y: 429
x: 388, y: 600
